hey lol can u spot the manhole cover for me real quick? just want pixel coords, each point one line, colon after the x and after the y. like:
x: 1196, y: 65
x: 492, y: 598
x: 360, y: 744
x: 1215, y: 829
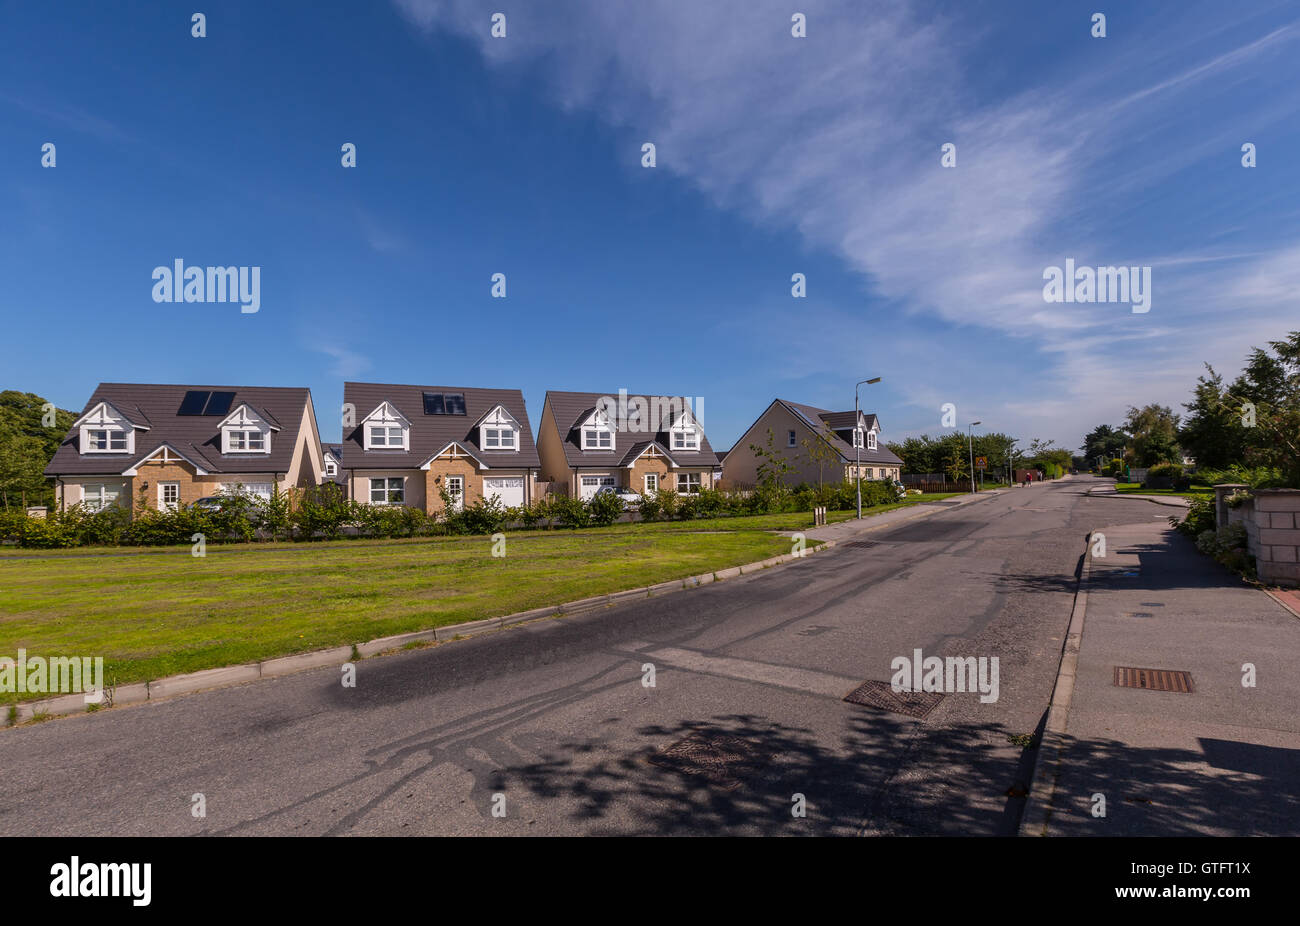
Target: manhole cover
x: 1154, y: 679
x: 861, y: 544
x: 719, y: 758
x: 883, y: 696
x: 1142, y: 614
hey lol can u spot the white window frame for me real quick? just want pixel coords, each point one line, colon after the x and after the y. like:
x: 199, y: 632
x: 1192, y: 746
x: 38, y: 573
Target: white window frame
x: 458, y: 493
x: 240, y: 440
x: 686, y: 439
x: 871, y: 440
x: 501, y: 437
x: 387, y: 419
x: 163, y: 504
x: 651, y: 477
x: 604, y: 438
x: 388, y: 490
x: 331, y: 468
x: 689, y: 479
x: 101, y: 500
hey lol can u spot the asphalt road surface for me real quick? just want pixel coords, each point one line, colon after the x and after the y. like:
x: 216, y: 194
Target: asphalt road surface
x: 548, y: 728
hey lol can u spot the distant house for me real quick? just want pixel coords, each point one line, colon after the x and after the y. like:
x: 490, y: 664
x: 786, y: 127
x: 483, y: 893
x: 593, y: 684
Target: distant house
x: 165, y: 446
x: 819, y: 446
x: 408, y: 443
x: 333, y: 457
x: 588, y: 441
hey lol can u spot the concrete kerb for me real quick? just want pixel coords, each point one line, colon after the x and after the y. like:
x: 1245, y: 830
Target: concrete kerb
x: 1047, y: 764
x: 227, y: 676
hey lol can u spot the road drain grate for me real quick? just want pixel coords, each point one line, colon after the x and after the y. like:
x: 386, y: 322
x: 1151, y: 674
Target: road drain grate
x: 1154, y: 679
x: 718, y: 757
x: 882, y: 695
x: 861, y: 544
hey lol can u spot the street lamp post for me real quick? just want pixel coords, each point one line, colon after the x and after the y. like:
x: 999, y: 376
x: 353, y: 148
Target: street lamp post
x: 970, y: 443
x: 858, y: 439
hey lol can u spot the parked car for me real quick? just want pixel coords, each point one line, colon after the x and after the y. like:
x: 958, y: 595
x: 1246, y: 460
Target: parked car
x: 627, y: 496
x: 216, y: 503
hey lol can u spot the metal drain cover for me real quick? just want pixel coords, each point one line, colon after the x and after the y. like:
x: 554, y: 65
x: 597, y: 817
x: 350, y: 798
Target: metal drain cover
x: 882, y: 695
x: 1154, y: 679
x: 861, y: 544
x: 717, y: 757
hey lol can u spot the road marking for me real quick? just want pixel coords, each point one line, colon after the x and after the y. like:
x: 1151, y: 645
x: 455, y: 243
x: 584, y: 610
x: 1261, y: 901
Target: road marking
x: 806, y: 680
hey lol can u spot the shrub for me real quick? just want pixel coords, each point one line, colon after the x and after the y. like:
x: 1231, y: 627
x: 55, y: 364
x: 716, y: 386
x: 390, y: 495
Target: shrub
x: 325, y: 510
x: 604, y: 508
x: 569, y: 512
x: 669, y: 501
x: 650, y: 508
x: 1198, y: 520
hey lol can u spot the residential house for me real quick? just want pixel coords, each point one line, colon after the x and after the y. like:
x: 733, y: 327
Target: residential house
x: 403, y: 444
x: 818, y: 445
x: 588, y: 441
x: 164, y: 446
x: 333, y: 457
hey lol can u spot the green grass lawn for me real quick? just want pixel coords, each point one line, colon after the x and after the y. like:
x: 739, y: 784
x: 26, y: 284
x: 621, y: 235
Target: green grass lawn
x: 1135, y: 488
x: 153, y: 612
x: 155, y: 615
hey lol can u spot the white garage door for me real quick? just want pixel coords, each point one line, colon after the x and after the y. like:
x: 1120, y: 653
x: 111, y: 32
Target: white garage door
x: 510, y: 489
x: 591, y: 484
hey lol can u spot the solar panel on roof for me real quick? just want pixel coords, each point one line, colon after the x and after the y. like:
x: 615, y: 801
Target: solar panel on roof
x: 433, y: 404
x: 219, y: 404
x: 455, y: 403
x: 194, y: 402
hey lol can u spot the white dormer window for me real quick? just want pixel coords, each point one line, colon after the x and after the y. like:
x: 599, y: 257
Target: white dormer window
x: 105, y: 430
x: 102, y: 440
x: 857, y: 437
x: 871, y: 440
x: 386, y: 429
x: 245, y: 431
x: 596, y: 432
x: 685, y: 433
x: 331, y: 468
x: 498, y: 430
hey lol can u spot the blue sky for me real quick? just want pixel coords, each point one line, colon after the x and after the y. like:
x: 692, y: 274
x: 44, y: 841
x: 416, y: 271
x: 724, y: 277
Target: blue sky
x: 522, y: 155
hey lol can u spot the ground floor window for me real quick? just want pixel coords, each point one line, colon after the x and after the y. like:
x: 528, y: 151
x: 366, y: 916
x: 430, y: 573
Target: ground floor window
x: 98, y: 495
x: 169, y: 495
x: 652, y: 482
x: 688, y: 483
x: 388, y: 491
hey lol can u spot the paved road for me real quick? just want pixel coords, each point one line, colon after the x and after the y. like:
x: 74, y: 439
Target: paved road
x: 750, y: 676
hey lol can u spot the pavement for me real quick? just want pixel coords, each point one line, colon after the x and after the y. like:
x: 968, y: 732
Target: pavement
x: 710, y: 711
x: 1220, y: 760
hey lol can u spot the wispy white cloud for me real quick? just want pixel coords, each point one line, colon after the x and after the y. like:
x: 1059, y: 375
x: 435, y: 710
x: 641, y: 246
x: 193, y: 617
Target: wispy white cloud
x: 346, y: 363
x: 838, y: 136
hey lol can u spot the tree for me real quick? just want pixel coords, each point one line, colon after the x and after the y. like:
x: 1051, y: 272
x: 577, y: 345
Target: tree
x: 821, y: 454
x: 1104, y: 441
x: 31, y: 430
x: 1265, y: 399
x: 1212, y: 433
x: 1154, y: 435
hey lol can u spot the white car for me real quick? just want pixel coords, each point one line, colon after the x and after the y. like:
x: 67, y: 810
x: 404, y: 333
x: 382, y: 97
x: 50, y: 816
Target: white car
x: 628, y: 497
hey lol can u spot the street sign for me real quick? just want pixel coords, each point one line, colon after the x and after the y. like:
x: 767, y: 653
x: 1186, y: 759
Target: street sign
x: 981, y: 462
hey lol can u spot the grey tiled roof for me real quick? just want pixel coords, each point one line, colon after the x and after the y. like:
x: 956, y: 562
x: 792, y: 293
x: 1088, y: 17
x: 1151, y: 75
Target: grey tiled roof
x: 831, y: 425
x: 196, y: 437
x: 571, y: 408
x: 432, y: 433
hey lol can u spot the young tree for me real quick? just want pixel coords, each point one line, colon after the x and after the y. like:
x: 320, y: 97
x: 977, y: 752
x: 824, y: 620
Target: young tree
x: 1154, y: 431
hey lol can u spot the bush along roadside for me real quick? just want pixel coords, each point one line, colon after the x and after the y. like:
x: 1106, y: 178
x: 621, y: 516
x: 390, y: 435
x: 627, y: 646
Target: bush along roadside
x: 1226, y: 545
x: 326, y: 513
